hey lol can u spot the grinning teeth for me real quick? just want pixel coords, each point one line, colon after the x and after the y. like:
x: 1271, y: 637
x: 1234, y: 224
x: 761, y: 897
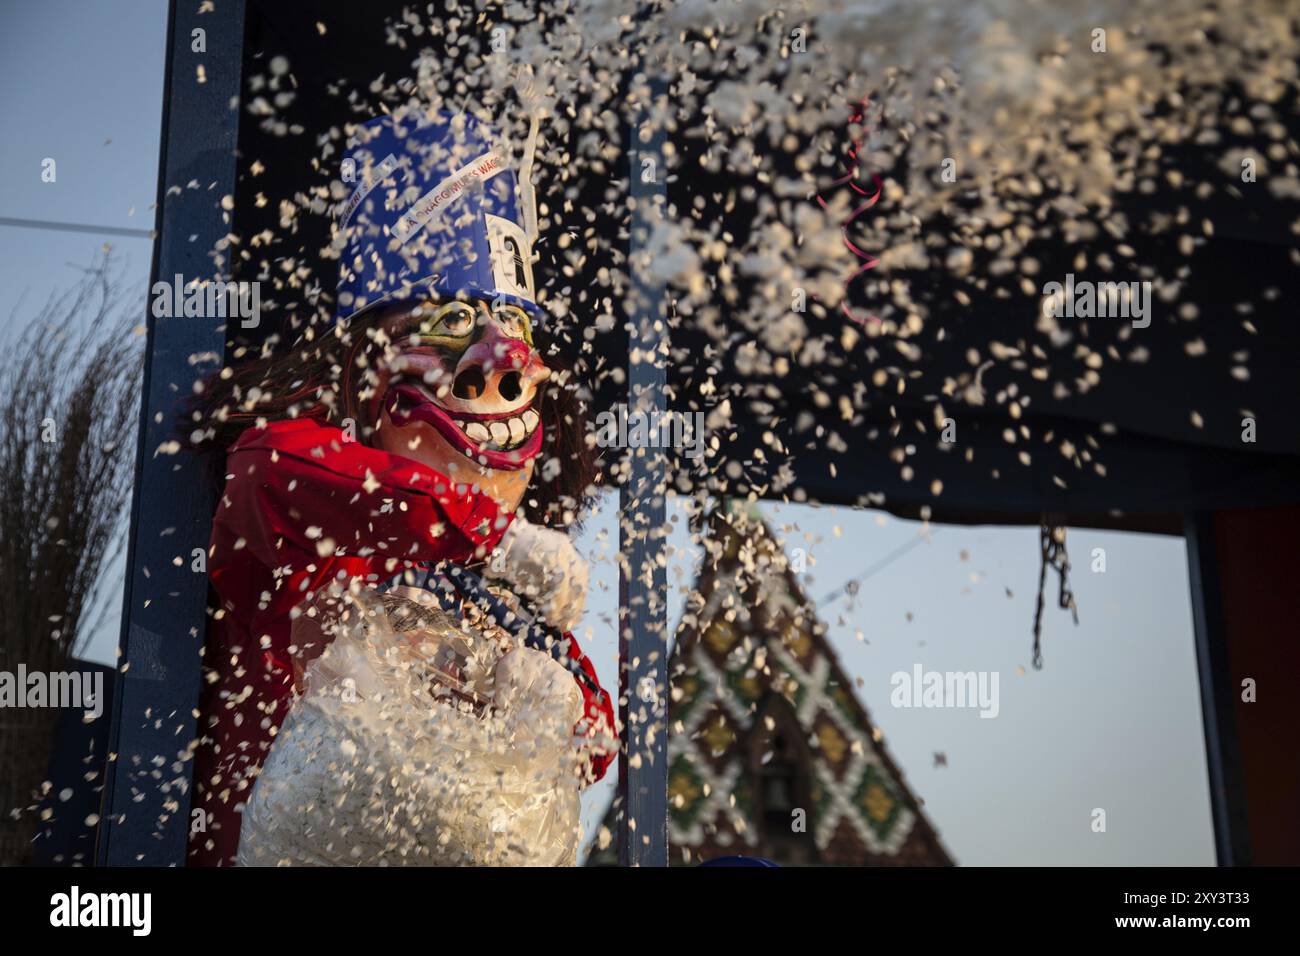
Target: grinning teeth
x: 502, y: 433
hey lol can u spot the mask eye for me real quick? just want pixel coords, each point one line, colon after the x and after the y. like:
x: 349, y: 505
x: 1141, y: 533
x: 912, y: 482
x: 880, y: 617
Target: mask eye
x: 450, y: 320
x: 514, y: 322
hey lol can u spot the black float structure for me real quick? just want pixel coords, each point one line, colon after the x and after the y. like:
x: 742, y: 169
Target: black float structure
x: 1237, y: 505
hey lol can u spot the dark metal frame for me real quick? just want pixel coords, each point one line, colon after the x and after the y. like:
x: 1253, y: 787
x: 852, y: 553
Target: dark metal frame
x: 146, y: 804
x: 1222, y: 749
x: 145, y: 816
x: 643, y: 523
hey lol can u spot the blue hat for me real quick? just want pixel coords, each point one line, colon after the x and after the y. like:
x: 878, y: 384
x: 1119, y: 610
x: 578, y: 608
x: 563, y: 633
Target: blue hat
x: 435, y: 208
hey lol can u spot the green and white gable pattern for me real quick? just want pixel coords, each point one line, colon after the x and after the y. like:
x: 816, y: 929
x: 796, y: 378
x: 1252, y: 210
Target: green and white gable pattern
x: 752, y: 676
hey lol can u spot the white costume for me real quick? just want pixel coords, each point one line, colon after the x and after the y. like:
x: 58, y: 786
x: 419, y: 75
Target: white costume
x: 377, y: 764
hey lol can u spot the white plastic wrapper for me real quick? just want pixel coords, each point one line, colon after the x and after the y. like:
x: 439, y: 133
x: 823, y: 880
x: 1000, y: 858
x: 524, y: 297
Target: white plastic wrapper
x: 392, y: 758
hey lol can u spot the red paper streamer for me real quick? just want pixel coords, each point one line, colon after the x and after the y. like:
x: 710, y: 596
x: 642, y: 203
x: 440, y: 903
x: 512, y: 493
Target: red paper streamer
x: 857, y: 112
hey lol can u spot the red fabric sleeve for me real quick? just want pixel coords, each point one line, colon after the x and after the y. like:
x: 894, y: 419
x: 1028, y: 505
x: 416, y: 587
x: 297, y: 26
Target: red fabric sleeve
x: 308, y: 505
x: 301, y: 507
x: 598, y: 721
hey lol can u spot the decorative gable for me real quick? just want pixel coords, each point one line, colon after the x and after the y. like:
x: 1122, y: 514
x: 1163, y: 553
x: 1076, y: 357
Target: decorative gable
x: 770, y: 752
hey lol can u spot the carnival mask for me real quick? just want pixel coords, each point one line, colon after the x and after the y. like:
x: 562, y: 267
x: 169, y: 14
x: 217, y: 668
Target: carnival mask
x: 462, y: 376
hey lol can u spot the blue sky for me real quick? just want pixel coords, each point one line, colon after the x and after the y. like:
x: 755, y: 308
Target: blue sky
x: 1113, y: 721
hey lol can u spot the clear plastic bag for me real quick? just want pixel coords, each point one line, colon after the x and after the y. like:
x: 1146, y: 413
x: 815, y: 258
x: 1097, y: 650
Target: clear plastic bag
x: 436, y: 744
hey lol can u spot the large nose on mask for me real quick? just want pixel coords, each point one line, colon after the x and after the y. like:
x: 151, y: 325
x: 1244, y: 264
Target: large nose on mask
x: 498, y: 366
